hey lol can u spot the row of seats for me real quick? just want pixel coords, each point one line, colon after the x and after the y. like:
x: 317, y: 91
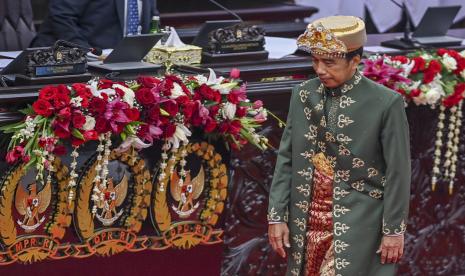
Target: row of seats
x: 16, y: 24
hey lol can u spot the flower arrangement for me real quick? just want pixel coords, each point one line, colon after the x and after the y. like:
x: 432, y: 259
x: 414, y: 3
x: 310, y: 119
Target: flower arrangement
x: 432, y: 78
x: 429, y: 78
x: 137, y: 114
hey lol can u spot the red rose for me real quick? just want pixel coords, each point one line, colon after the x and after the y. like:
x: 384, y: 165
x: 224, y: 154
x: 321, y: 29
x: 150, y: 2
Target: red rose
x: 61, y: 132
x: 59, y: 150
x: 61, y: 100
x: 210, y: 125
x: 104, y: 84
x: 442, y: 52
x: 63, y: 89
x: 79, y: 120
x: 235, y: 73
x: 209, y: 94
x: 90, y: 135
x: 189, y: 109
x: 169, y: 131
x: 235, y: 127
x: 224, y: 127
x: 47, y: 93
x: 428, y: 76
x: 419, y: 65
x: 145, y: 96
x: 241, y: 111
x: 182, y: 100
x: 43, y: 108
x: 401, y: 59
x: 97, y: 106
x: 132, y: 113
x: 171, y: 107
x: 76, y: 142
x: 233, y: 98
x: 148, y: 82
x: 434, y: 66
x: 214, y: 110
x: 102, y: 125
x: 154, y: 113
x: 415, y: 93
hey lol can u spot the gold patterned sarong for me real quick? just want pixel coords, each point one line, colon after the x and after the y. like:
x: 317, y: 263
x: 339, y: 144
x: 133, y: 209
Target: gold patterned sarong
x: 319, y: 254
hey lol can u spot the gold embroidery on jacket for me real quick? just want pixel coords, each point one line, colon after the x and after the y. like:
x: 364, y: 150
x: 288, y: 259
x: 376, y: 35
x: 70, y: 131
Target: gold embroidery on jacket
x: 273, y: 215
x: 299, y: 240
x: 357, y: 163
x: 340, y: 228
x: 304, y: 189
x: 343, y: 121
x: 339, y: 193
x: 339, y: 210
x: 303, y: 206
x: 372, y: 172
x: 304, y: 95
x: 345, y: 101
x: 340, y: 246
x: 300, y: 223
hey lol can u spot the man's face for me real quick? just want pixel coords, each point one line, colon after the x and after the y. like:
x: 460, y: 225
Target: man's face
x: 333, y: 72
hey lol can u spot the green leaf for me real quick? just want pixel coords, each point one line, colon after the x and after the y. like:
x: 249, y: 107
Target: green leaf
x: 163, y: 112
x: 27, y: 111
x: 123, y: 136
x: 76, y: 133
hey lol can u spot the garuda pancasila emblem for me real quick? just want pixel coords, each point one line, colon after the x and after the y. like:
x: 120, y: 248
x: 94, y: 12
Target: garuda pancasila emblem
x: 31, y: 205
x: 186, y: 192
x: 112, y: 197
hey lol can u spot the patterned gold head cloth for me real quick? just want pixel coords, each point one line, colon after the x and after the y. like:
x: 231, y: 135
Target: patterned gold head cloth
x: 333, y: 36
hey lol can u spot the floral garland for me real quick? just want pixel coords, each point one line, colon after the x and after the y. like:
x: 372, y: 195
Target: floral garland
x: 137, y: 114
x: 429, y: 78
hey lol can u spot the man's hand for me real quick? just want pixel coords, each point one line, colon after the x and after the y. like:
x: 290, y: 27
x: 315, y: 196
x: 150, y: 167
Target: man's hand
x: 278, y: 235
x: 391, y: 249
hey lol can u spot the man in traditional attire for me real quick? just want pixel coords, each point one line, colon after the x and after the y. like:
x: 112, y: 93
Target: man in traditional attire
x: 340, y: 193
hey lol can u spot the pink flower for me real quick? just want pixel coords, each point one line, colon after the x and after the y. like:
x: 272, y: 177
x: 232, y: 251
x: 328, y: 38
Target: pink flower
x: 115, y: 114
x: 13, y: 155
x: 383, y: 73
x: 149, y: 132
x: 257, y: 104
x: 235, y: 73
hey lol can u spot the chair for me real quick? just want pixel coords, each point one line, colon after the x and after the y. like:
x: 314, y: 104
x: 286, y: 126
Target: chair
x: 16, y: 25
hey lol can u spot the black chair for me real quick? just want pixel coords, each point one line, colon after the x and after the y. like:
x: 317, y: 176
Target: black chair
x: 16, y: 25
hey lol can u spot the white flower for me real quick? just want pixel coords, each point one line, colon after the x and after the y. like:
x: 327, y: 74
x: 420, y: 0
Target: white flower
x: 201, y: 79
x: 128, y: 96
x: 176, y: 91
x: 132, y: 141
x: 180, y: 135
x: 462, y: 74
x: 90, y: 123
x: 432, y: 93
x: 449, y: 62
x: 229, y: 111
x: 212, y: 79
x: 76, y: 101
x: 407, y: 68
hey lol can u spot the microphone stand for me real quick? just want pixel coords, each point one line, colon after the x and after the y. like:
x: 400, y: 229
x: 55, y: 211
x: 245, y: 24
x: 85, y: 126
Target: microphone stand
x: 405, y: 42
x: 226, y: 9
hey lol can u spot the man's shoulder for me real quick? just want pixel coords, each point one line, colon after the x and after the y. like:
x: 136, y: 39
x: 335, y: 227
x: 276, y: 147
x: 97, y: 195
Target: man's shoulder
x: 377, y: 90
x: 308, y: 84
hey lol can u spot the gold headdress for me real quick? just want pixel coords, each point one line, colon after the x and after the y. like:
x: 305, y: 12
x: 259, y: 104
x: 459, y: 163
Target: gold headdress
x: 333, y: 36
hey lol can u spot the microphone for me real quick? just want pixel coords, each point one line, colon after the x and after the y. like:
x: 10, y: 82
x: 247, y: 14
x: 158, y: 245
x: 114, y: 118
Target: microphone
x: 94, y: 50
x: 226, y: 9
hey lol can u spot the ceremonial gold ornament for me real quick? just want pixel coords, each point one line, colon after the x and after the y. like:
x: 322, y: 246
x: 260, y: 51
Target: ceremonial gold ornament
x: 192, y: 233
x: 32, y: 247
